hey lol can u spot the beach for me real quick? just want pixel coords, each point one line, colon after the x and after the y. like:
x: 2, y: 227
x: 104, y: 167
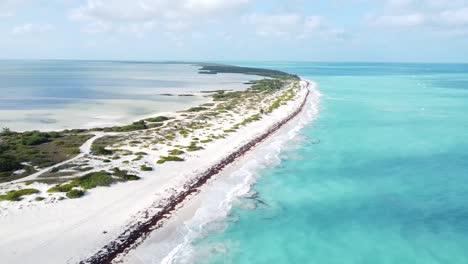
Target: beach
x: 70, y: 231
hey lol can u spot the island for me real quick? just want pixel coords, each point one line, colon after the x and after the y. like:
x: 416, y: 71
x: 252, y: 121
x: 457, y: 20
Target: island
x: 119, y: 183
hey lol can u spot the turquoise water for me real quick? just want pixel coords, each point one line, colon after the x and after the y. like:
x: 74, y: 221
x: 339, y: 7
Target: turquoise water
x: 380, y: 177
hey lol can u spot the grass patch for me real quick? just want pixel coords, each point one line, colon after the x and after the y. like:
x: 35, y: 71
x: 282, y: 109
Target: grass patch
x: 197, y: 109
x: 17, y: 195
x: 93, y: 180
x: 165, y: 159
x: 63, y: 188
x: 146, y: 168
x: 157, y: 119
x: 123, y: 175
x: 74, y: 194
x: 176, y: 152
x: 194, y: 147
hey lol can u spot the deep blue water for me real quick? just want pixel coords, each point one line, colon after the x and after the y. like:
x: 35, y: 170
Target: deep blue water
x: 388, y: 182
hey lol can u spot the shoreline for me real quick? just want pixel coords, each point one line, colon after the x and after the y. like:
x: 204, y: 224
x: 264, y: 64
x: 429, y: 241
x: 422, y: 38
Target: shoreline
x: 134, y: 235
x: 105, y: 213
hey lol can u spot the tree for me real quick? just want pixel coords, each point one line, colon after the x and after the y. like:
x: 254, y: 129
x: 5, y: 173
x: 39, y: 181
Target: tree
x: 5, y: 131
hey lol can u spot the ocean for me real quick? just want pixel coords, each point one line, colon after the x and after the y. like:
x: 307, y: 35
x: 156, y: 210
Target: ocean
x: 56, y: 95
x: 378, y: 174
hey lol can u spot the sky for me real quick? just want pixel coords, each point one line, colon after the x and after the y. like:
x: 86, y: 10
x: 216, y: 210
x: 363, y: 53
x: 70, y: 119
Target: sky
x: 255, y: 30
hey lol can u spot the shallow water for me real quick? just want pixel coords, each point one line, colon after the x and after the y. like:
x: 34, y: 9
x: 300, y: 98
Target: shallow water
x: 380, y: 177
x: 49, y: 95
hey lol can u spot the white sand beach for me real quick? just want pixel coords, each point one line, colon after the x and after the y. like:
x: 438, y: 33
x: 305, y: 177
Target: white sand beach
x: 68, y: 231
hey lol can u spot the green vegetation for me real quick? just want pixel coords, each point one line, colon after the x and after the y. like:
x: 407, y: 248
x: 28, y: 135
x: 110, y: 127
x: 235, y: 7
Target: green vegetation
x: 36, y: 149
x: 39, y: 198
x: 135, y: 126
x: 123, y: 175
x: 73, y: 194
x: 223, y: 96
x: 169, y: 158
x: 100, y: 150
x: 138, y: 158
x: 220, y: 68
x: 193, y: 147
x: 197, y: 109
x: 176, y: 152
x: 35, y: 138
x: 157, y: 119
x: 63, y: 188
x: 146, y: 168
x: 93, y: 180
x: 17, y: 195
x: 285, y: 97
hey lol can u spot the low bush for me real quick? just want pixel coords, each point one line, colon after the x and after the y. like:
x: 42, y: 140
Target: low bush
x: 197, y: 109
x: 157, y: 119
x: 17, y: 195
x: 146, y: 168
x: 94, y: 179
x: 123, y: 174
x: 176, y: 152
x: 193, y: 147
x: 73, y: 194
x: 100, y: 150
x: 169, y: 158
x: 63, y: 188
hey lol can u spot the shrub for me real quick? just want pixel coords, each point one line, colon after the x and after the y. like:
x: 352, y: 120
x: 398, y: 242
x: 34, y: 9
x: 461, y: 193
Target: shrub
x: 176, y: 152
x: 100, y: 150
x: 94, y: 179
x: 39, y: 198
x: 197, y: 109
x: 73, y: 194
x: 35, y: 138
x: 157, y: 119
x: 193, y: 147
x: 169, y: 158
x: 63, y: 187
x: 123, y: 174
x: 9, y: 163
x: 17, y: 195
x: 146, y: 168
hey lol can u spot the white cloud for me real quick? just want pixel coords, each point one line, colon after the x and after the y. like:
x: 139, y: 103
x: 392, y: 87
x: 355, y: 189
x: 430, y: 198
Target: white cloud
x: 138, y: 15
x: 30, y: 28
x: 409, y: 20
x: 435, y: 15
x: 8, y: 8
x: 455, y: 17
x: 290, y: 25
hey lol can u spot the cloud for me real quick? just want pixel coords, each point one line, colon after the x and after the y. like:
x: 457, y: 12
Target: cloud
x: 409, y: 20
x: 435, y: 15
x: 454, y: 17
x: 291, y: 25
x: 31, y: 28
x: 141, y: 16
x: 8, y: 7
